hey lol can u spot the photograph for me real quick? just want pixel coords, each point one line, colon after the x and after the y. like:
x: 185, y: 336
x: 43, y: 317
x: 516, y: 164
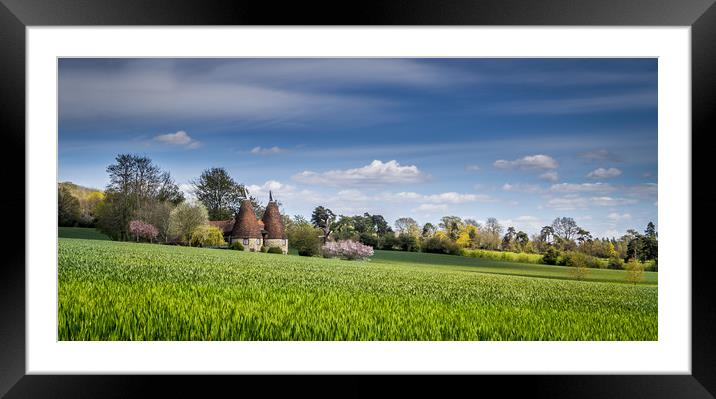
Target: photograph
x: 357, y: 199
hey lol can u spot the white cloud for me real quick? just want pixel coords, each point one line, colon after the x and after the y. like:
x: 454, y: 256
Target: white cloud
x: 526, y: 223
x: 180, y: 138
x: 576, y: 202
x: 550, y: 176
x: 472, y: 168
x: 430, y: 208
x: 376, y: 173
x: 582, y: 188
x: 538, y: 161
x: 645, y: 191
x: 522, y: 188
x: 448, y: 197
x: 616, y: 217
x: 267, y: 151
x: 602, y: 173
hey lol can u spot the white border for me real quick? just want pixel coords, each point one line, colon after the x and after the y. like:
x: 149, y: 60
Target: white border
x: 670, y: 354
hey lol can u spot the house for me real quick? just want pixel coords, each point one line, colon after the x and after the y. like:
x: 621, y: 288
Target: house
x: 253, y: 233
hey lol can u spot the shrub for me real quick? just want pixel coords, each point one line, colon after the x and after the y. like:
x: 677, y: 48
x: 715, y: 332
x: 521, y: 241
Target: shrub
x: 369, y: 239
x: 347, y: 249
x: 237, y: 246
x: 206, y: 236
x: 441, y: 246
x: 143, y: 230
x: 408, y: 243
x: 264, y: 248
x: 635, y: 271
x: 388, y: 242
x: 551, y: 256
x: 305, y: 238
x: 274, y: 250
x: 616, y: 263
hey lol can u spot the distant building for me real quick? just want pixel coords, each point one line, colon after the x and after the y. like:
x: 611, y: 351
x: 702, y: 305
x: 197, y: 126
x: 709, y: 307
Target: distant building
x: 253, y: 233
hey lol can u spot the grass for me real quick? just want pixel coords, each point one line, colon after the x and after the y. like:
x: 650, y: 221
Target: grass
x: 127, y: 291
x: 482, y: 265
x: 81, y: 232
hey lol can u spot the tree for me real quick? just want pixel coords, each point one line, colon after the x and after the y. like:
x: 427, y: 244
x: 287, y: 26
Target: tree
x: 407, y: 226
x: 408, y: 242
x: 157, y: 214
x: 185, y: 218
x: 565, y: 228
x: 452, y: 226
x: 219, y: 193
x: 206, y: 236
x: 508, y: 239
x: 305, y: 238
x: 650, y: 243
x: 68, y: 207
x: 143, y: 230
x: 323, y: 218
x: 428, y: 230
x: 635, y: 271
x: 522, y: 240
x: 381, y: 226
x: 135, y: 183
x: 491, y: 234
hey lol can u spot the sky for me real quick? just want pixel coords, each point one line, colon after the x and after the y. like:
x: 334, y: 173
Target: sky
x: 521, y: 140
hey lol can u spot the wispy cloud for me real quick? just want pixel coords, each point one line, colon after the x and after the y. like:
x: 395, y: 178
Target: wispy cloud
x: 550, y: 176
x: 267, y: 151
x: 577, y: 202
x: 539, y: 161
x: 376, y: 173
x: 617, y: 217
x: 582, y: 188
x: 180, y: 138
x: 602, y: 173
x: 472, y: 168
x: 600, y: 155
x: 619, y: 102
x: 522, y: 188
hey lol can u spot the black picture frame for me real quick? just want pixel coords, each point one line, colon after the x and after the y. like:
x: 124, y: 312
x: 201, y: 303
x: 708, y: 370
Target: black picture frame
x: 16, y: 15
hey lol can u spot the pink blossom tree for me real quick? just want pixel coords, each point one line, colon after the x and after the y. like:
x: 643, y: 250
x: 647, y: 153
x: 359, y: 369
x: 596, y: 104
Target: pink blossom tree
x: 347, y: 249
x: 143, y: 230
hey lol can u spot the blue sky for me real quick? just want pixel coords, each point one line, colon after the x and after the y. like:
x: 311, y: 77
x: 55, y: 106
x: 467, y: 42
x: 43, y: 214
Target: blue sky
x: 522, y: 140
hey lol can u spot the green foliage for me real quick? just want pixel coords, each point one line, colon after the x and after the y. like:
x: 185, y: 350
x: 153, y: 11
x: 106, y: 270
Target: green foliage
x: 388, y: 242
x: 305, y: 239
x: 440, y: 246
x: 219, y: 193
x: 275, y: 250
x: 551, y: 256
x: 185, y: 218
x: 502, y: 256
x: 573, y: 258
x: 408, y: 243
x: 615, y: 263
x: 635, y: 271
x: 207, y: 236
x: 68, y: 208
x: 236, y: 245
x: 126, y: 291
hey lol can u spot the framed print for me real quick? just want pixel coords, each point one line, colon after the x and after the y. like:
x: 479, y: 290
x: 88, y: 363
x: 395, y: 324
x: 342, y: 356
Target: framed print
x: 476, y: 193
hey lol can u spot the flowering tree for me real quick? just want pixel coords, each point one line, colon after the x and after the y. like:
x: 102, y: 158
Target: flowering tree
x: 347, y: 249
x: 143, y: 230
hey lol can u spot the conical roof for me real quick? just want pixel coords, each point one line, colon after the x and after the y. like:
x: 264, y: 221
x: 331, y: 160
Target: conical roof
x: 272, y: 222
x: 246, y: 225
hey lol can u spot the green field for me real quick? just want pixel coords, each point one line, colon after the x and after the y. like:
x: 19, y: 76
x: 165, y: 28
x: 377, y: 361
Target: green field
x: 127, y: 291
x: 81, y: 232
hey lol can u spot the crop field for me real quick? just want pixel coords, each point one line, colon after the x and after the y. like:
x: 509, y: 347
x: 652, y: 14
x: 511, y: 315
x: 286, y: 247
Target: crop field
x: 127, y: 291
